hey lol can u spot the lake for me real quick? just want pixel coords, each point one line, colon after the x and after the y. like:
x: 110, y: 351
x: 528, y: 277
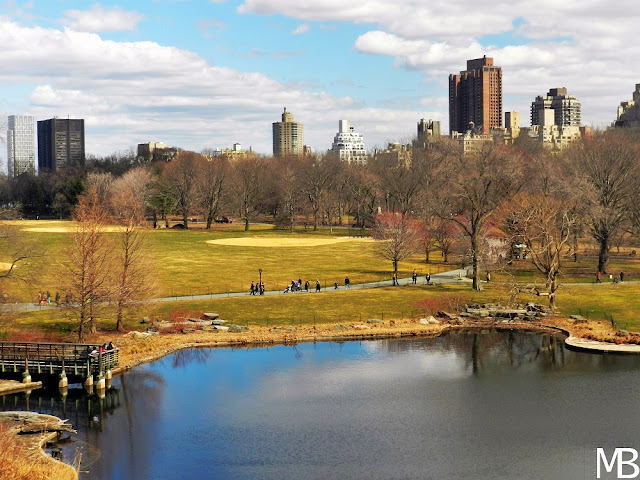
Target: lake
x: 465, y: 405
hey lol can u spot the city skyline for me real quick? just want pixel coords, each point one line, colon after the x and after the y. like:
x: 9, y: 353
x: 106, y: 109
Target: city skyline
x: 209, y: 74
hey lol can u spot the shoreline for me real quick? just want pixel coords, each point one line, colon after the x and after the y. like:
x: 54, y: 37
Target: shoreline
x: 173, y: 343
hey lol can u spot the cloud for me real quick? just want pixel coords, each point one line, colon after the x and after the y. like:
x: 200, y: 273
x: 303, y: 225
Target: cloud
x: 132, y: 92
x: 210, y: 28
x: 301, y: 29
x: 99, y: 19
x: 584, y: 45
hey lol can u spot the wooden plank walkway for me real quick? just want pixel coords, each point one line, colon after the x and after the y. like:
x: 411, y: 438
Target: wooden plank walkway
x: 74, y: 359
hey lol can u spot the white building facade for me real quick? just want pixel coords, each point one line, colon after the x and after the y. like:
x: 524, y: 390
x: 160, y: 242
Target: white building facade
x: 21, y: 144
x: 348, y: 144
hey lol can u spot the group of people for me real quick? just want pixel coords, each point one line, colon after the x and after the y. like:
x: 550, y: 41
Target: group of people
x: 45, y: 299
x: 257, y: 288
x: 612, y: 279
x: 297, y: 286
x: 105, y: 347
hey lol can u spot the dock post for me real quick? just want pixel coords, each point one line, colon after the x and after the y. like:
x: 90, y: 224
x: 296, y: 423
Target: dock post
x: 63, y: 380
x: 26, y: 376
x: 100, y: 384
x: 108, y: 376
x: 89, y: 381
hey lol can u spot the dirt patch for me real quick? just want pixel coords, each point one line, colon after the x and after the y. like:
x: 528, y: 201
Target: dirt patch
x: 67, y: 229
x: 268, y: 242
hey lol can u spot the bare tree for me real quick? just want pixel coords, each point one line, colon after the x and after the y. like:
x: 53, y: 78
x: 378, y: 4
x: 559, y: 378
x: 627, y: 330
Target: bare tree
x: 89, y: 260
x: 210, y: 187
x: 181, y: 176
x: 604, y: 171
x: 132, y: 265
x: 472, y: 187
x: 397, y: 235
x: 317, y: 176
x: 247, y: 185
x: 544, y: 224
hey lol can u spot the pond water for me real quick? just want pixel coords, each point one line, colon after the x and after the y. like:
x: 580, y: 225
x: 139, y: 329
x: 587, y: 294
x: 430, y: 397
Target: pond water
x: 465, y: 405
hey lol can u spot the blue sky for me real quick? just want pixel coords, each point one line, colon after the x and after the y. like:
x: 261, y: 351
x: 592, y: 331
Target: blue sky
x: 210, y: 73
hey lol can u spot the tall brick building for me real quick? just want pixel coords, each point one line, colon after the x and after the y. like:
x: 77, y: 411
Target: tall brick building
x: 476, y: 96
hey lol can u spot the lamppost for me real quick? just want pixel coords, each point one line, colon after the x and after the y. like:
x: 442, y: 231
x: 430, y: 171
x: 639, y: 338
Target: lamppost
x: 260, y: 282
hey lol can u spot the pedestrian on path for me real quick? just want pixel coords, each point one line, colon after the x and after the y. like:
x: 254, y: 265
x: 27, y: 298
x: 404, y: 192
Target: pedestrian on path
x: 428, y: 277
x: 335, y: 285
x: 598, y: 275
x: 347, y: 283
x: 488, y: 277
x: 306, y: 285
x: 317, y: 286
x: 253, y: 289
x: 414, y: 277
x: 621, y: 277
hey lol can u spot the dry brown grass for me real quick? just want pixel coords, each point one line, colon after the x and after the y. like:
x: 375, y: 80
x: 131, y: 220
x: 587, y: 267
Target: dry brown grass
x: 19, y: 461
x: 599, y: 330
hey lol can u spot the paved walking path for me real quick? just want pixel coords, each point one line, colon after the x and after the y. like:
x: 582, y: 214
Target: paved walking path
x: 450, y: 277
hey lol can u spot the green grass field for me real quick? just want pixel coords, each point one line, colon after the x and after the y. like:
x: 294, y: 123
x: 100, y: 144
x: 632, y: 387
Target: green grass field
x: 185, y: 264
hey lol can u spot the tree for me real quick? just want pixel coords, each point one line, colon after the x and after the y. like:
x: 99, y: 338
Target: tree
x: 19, y: 256
x: 604, y: 172
x: 247, y: 184
x: 210, y: 187
x: 317, y: 175
x: 472, y: 187
x: 544, y: 224
x: 133, y: 276
x: 445, y: 233
x: 397, y: 235
x: 181, y: 177
x: 89, y: 260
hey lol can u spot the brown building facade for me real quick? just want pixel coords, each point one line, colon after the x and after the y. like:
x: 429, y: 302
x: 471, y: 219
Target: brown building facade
x: 475, y: 96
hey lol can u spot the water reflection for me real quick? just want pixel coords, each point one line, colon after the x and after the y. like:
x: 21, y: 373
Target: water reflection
x: 469, y: 404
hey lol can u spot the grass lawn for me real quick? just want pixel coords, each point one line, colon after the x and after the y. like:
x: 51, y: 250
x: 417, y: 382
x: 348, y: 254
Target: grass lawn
x: 185, y: 264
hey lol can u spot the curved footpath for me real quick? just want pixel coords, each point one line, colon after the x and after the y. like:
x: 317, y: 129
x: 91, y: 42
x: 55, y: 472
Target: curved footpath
x: 595, y: 346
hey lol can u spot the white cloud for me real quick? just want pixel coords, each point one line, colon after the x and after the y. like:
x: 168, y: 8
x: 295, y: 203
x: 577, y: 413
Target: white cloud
x: 585, y: 45
x: 301, y: 29
x: 132, y: 92
x: 99, y: 19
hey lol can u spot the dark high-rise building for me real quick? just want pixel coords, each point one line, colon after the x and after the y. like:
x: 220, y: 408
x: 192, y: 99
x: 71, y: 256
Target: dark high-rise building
x: 60, y: 143
x: 475, y: 97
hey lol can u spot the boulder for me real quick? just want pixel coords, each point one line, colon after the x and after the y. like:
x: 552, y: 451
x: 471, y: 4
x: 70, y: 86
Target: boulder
x: 210, y: 316
x: 237, y: 328
x: 578, y: 318
x: 339, y: 328
x: 374, y: 320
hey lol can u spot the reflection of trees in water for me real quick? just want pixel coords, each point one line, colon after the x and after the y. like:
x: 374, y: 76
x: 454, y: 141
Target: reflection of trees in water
x: 184, y: 357
x: 142, y: 392
x: 491, y: 350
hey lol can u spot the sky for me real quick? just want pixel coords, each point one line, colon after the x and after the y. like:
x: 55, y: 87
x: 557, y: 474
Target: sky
x: 210, y: 73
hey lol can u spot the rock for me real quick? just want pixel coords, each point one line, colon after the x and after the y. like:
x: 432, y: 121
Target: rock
x: 139, y: 335
x: 188, y: 330
x: 374, y: 320
x: 218, y: 322
x: 283, y: 329
x: 144, y: 320
x: 623, y: 332
x: 210, y: 316
x: 429, y: 321
x: 578, y: 318
x: 221, y: 328
x: 359, y: 326
x: 339, y: 328
x: 237, y: 328
x: 444, y: 314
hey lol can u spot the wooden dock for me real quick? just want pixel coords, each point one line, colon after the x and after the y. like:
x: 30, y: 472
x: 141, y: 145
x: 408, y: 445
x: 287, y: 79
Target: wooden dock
x: 57, y: 360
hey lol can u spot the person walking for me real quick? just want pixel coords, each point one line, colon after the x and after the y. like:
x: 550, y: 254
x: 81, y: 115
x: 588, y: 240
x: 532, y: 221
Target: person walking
x: 598, y: 275
x: 347, y: 284
x: 414, y: 276
x: 57, y: 299
x: 253, y: 289
x: 488, y: 277
x: 317, y: 286
x: 306, y: 285
x: 621, y: 277
x: 428, y: 278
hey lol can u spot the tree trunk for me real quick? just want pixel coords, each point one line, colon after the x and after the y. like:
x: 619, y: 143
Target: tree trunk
x: 603, y: 256
x: 119, y: 326
x: 474, y: 262
x: 553, y: 286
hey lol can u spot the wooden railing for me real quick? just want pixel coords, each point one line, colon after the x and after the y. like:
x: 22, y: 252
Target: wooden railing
x: 53, y: 358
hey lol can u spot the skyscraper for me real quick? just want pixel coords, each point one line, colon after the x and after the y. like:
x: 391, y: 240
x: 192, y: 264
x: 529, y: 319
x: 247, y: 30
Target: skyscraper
x: 60, y: 143
x: 566, y: 108
x: 475, y: 97
x: 21, y: 144
x: 287, y: 136
x: 348, y: 144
